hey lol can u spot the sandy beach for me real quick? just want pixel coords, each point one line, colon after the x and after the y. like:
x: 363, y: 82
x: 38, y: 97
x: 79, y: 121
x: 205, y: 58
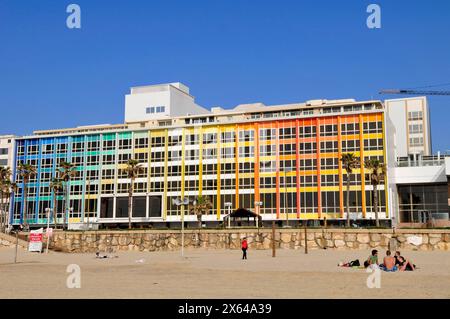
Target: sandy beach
x: 218, y: 274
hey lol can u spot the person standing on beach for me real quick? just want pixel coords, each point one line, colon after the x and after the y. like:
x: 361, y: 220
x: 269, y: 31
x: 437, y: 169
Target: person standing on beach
x: 244, y: 248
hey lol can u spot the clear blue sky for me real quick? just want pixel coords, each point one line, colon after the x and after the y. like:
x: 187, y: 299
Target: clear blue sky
x: 227, y: 51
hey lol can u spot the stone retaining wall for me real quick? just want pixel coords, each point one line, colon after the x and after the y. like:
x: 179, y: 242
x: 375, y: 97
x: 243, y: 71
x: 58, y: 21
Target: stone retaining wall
x: 160, y: 240
x: 8, y: 241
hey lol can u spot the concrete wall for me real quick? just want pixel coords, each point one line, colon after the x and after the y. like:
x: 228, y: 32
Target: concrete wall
x: 165, y: 240
x: 420, y: 174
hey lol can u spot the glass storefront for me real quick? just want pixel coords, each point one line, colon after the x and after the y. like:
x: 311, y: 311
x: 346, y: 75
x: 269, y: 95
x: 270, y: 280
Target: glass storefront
x: 418, y: 203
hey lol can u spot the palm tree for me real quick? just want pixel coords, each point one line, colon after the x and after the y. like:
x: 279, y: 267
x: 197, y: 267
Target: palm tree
x: 56, y: 185
x: 26, y: 171
x: 349, y: 162
x: 7, y: 188
x: 377, y: 172
x: 66, y: 172
x: 5, y: 173
x: 133, y: 169
x: 200, y: 206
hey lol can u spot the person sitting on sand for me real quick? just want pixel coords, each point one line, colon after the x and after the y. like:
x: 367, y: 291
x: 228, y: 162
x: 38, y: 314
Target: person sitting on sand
x: 389, y: 262
x: 372, y: 260
x: 402, y: 263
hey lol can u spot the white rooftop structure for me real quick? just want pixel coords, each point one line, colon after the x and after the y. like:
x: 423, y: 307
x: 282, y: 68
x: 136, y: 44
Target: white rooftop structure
x: 154, y: 102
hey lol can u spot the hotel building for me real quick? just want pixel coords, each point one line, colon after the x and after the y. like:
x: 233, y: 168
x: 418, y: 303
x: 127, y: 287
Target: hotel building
x: 286, y: 157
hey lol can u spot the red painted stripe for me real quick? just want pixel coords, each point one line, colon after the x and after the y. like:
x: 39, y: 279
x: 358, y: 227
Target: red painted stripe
x: 319, y: 194
x: 297, y: 161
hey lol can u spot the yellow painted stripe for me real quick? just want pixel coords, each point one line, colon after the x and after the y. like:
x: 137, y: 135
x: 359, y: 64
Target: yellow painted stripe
x: 183, y: 169
x: 149, y: 161
x: 200, y: 166
x: 218, y: 172
x: 166, y: 171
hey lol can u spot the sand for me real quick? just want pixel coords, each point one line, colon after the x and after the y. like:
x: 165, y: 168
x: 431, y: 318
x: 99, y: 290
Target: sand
x: 218, y: 274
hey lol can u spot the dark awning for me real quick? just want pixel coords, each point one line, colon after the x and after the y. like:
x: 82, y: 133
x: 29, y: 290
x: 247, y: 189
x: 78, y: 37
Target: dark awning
x: 243, y: 213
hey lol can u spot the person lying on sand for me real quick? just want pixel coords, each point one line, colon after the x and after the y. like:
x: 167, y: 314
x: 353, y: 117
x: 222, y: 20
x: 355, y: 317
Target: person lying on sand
x: 389, y: 262
x: 402, y: 263
x: 372, y: 260
x: 353, y: 263
x: 97, y: 255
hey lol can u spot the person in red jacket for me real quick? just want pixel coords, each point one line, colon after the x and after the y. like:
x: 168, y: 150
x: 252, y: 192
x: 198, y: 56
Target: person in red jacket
x: 244, y: 248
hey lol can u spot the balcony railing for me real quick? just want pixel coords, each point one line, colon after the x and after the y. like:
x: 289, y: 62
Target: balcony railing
x: 419, y: 160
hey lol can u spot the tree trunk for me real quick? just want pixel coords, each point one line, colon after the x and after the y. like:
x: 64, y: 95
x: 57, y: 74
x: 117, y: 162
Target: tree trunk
x: 54, y: 209
x: 375, y: 204
x: 130, y: 198
x: 199, y: 218
x: 25, y: 213
x: 2, y: 211
x: 66, y: 206
x: 348, y: 200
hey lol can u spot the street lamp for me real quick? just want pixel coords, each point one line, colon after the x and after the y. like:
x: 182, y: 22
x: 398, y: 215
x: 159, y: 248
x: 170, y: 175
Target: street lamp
x: 181, y: 202
x: 258, y: 205
x: 229, y: 205
x: 287, y: 170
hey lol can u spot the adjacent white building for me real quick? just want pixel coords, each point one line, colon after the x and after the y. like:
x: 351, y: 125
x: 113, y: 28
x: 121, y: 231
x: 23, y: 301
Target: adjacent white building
x: 6, y: 150
x: 411, y: 131
x: 159, y: 102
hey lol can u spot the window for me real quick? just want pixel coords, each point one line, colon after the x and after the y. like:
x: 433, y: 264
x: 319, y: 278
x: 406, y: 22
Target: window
x: 107, y: 173
x: 158, y: 141
x: 109, y: 145
x: 124, y: 144
x: 227, y: 137
x: 141, y: 142
x: 416, y: 141
x: 47, y: 149
x: 267, y: 134
x: 246, y: 136
x: 415, y: 116
x: 124, y: 158
x: 109, y: 159
x: 415, y: 128
x: 155, y: 109
x: 3, y: 151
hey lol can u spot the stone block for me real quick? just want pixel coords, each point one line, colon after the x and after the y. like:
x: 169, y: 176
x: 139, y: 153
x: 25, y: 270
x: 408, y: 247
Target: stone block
x: 363, y: 238
x: 339, y: 243
x: 286, y: 237
x: 338, y: 236
x: 434, y: 240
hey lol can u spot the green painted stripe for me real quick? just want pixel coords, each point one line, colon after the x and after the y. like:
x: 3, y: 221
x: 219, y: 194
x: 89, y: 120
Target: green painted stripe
x: 109, y: 137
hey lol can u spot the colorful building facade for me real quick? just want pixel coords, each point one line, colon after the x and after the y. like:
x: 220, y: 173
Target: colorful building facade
x: 283, y: 160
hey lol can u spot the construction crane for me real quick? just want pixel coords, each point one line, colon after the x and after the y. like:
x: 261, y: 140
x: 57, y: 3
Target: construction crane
x: 418, y: 92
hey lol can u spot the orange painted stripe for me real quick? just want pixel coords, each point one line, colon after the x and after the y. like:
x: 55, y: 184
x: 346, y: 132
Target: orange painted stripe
x: 297, y: 161
x: 341, y: 193
x: 277, y: 157
x: 319, y: 194
x: 236, y: 152
x: 363, y: 177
